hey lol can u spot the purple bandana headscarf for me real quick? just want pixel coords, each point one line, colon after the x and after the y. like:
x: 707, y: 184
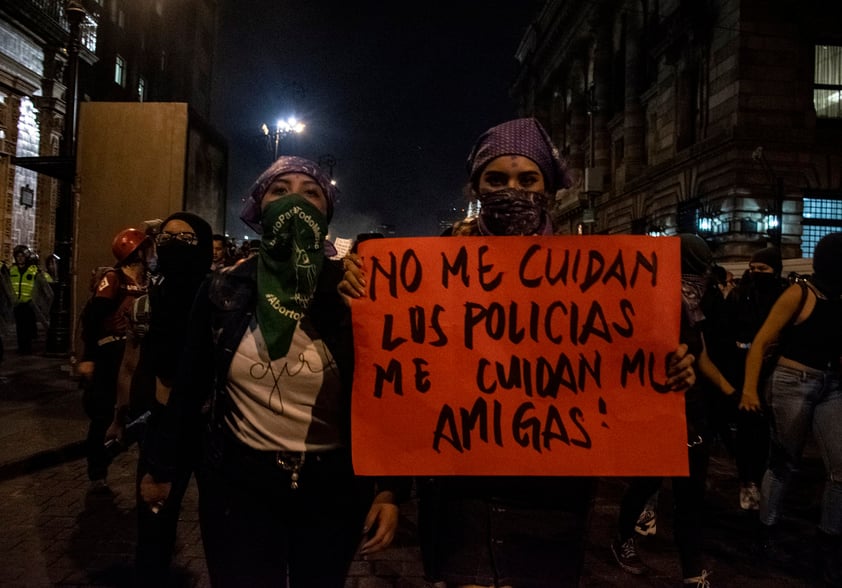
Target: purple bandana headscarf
x: 525, y: 137
x: 284, y: 165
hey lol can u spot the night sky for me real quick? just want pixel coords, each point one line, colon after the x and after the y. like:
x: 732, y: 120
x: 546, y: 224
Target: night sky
x: 395, y: 92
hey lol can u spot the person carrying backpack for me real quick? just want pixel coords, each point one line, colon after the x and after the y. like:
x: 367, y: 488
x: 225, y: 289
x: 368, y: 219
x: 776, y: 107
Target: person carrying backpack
x: 104, y: 323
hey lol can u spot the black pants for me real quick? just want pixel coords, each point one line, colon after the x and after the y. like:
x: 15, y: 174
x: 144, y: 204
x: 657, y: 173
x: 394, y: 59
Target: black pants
x: 156, y: 532
x: 523, y: 532
x: 752, y: 440
x: 752, y: 446
x: 688, y: 503
x: 25, y: 326
x: 257, y: 530
x: 98, y: 399
x: 722, y: 416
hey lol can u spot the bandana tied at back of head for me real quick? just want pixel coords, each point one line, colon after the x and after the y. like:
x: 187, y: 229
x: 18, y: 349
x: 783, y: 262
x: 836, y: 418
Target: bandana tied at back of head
x: 527, y: 138
x: 286, y: 164
x: 290, y: 261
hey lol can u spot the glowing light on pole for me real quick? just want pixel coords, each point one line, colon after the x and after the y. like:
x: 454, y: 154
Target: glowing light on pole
x: 283, y: 128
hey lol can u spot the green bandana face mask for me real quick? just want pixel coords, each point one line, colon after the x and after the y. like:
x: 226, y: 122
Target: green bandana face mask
x: 291, y: 258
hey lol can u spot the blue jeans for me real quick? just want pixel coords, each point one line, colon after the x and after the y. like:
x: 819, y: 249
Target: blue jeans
x: 798, y: 400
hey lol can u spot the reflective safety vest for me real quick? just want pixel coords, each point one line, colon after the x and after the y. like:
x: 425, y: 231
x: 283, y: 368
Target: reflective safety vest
x: 23, y: 283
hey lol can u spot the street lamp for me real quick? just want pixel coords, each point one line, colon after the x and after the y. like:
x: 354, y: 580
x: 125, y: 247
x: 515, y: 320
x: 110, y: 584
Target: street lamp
x: 774, y: 222
x: 59, y: 331
x: 282, y: 129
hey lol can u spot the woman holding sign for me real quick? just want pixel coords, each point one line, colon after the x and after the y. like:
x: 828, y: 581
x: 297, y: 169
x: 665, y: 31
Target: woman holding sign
x: 269, y: 355
x: 507, y: 531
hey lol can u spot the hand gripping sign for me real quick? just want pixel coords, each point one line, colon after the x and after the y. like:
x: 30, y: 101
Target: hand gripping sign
x: 518, y: 356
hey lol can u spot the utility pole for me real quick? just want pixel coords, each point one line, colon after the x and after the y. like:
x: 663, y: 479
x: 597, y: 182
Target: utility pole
x: 327, y: 161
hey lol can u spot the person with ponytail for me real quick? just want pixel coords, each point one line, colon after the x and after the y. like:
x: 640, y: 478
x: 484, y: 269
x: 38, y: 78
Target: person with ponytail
x: 803, y: 395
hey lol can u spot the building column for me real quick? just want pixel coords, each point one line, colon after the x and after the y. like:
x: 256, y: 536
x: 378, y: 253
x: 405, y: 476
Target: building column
x: 16, y: 228
x: 634, y: 124
x: 51, y: 109
x: 601, y: 147
x: 577, y: 129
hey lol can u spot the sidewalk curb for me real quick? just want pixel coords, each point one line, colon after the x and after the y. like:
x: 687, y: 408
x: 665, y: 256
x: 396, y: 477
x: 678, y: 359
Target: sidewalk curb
x: 41, y: 460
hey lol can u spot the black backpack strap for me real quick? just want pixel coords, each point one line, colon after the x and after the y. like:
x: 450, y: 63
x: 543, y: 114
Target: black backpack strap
x: 804, y: 290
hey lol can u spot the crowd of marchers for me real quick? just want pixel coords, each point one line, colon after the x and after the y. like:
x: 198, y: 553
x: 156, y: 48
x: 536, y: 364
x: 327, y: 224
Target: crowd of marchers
x: 187, y: 344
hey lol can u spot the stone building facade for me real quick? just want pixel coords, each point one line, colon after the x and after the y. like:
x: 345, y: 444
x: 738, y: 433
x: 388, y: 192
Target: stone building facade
x: 33, y: 35
x: 722, y: 117
x: 132, y: 50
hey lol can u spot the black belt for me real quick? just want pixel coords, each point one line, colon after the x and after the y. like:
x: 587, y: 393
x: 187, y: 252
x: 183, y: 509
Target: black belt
x: 288, y: 461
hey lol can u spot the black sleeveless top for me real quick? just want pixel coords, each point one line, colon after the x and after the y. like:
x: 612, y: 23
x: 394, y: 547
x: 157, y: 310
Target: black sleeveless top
x: 817, y: 342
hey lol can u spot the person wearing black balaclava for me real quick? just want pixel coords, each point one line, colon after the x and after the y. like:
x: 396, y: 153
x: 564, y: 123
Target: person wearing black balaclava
x: 184, y: 247
x: 159, y: 323
x: 803, y: 395
x: 268, y: 369
x: 745, y: 309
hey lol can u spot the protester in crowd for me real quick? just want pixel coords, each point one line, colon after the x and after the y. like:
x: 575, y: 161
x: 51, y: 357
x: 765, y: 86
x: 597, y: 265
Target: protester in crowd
x: 221, y: 256
x: 32, y: 296
x: 104, y: 323
x: 154, y: 343
x: 51, y: 266
x: 688, y: 492
x: 803, y: 395
x: 719, y: 345
x: 723, y: 280
x: 746, y: 308
x: 507, y: 530
x: 246, y: 249
x: 270, y: 337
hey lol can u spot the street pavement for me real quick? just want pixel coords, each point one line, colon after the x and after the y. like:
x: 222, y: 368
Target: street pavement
x: 56, y: 531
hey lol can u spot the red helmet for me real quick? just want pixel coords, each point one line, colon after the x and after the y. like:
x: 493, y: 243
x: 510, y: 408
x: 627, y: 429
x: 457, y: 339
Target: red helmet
x: 126, y: 242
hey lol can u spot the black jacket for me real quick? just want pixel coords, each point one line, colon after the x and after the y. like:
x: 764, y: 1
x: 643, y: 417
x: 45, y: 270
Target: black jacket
x: 223, y: 309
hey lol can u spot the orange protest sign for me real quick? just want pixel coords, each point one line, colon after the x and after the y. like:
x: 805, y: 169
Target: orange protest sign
x: 518, y: 356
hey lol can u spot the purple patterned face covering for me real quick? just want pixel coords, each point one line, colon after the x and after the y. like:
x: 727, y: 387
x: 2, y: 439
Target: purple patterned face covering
x: 514, y: 212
